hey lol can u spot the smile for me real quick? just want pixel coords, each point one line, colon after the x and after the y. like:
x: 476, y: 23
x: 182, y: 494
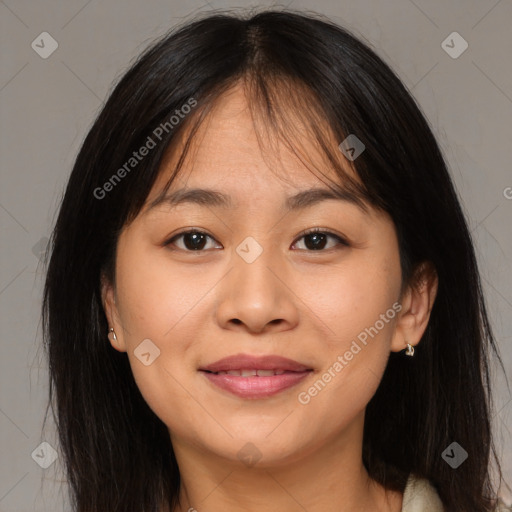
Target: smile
x: 255, y: 377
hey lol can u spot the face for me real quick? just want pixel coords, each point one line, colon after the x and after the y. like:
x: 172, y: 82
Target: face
x: 198, y: 281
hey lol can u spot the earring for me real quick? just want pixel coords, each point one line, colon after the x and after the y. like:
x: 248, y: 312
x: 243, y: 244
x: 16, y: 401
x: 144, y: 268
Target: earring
x: 113, y: 333
x: 410, y: 350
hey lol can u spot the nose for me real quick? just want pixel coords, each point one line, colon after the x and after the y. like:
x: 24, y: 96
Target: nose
x: 258, y: 296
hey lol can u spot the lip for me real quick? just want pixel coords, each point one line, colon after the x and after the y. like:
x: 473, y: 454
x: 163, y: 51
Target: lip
x: 248, y: 362
x: 255, y: 387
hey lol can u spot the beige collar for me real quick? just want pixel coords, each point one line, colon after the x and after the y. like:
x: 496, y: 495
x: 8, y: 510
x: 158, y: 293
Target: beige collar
x: 420, y: 496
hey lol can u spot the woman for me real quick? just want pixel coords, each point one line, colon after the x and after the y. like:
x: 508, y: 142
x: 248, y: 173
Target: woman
x: 263, y: 223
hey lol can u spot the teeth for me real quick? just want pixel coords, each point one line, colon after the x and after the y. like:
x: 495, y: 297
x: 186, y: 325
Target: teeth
x: 265, y: 373
x: 252, y: 373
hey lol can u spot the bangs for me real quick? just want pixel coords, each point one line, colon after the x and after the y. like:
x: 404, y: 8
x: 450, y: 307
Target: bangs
x: 285, y: 113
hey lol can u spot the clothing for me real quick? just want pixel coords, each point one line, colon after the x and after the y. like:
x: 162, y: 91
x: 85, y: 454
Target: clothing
x: 420, y: 496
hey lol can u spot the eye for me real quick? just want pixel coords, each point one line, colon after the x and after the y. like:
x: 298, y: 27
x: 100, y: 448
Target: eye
x: 316, y: 239
x: 193, y: 240
x: 196, y: 240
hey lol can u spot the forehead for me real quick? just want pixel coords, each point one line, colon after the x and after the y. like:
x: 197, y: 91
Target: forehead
x: 237, y: 147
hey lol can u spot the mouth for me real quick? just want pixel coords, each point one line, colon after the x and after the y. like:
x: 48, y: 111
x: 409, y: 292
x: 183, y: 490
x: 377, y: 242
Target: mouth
x: 251, y: 373
x: 254, y: 377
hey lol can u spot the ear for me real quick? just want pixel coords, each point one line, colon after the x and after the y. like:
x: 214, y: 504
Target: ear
x: 417, y: 302
x: 108, y: 300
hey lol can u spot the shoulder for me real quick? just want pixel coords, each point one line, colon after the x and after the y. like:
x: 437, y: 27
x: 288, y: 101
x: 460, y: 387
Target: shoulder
x: 420, y: 496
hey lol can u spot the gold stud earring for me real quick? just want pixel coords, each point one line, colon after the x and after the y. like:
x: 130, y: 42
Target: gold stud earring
x: 111, y: 330
x: 410, y: 350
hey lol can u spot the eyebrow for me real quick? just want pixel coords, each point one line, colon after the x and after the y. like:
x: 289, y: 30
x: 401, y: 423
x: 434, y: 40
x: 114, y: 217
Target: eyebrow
x: 216, y: 198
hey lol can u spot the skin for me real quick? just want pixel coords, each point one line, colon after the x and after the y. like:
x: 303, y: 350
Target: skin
x: 307, y: 305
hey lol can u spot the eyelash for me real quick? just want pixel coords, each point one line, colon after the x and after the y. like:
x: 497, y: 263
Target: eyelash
x: 311, y: 231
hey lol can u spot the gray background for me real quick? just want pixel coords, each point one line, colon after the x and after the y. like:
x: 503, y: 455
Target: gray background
x: 47, y: 106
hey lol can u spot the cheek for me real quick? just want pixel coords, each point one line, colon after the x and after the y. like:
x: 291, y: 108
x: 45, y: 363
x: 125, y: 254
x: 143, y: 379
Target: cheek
x: 354, y: 358
x: 353, y: 298
x: 361, y: 321
x: 157, y: 306
x: 154, y: 294
x: 165, y: 305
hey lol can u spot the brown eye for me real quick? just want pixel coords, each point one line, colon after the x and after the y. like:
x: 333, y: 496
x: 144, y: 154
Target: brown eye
x: 316, y: 239
x: 192, y: 240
